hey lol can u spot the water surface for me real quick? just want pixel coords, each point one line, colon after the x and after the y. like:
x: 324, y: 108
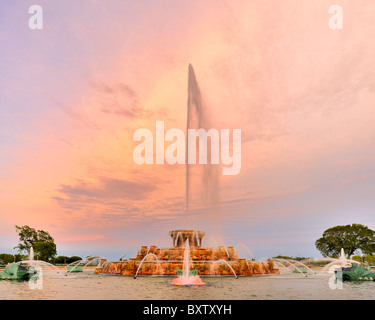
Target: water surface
x: 88, y: 286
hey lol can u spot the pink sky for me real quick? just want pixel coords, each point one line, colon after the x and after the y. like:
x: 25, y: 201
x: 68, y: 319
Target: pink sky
x: 72, y: 95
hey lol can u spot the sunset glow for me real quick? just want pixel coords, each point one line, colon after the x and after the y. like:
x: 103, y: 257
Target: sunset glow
x: 73, y: 94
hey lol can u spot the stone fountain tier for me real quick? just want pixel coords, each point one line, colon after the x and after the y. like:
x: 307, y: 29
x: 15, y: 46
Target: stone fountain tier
x: 166, y: 262
x: 180, y: 237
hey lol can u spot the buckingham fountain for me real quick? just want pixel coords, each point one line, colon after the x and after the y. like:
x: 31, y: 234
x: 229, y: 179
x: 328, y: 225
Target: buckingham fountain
x: 187, y: 256
x: 203, y: 261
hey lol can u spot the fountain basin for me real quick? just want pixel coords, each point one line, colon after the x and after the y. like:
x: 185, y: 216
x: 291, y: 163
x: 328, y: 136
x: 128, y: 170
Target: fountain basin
x: 188, y: 281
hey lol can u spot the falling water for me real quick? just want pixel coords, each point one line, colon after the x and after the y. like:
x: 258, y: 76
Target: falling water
x: 84, y: 262
x: 227, y: 263
x: 197, y: 118
x: 123, y: 255
x: 144, y: 259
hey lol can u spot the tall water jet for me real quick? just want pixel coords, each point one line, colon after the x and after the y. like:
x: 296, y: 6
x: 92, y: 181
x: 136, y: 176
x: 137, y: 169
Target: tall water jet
x: 206, y: 196
x: 31, y: 254
x: 186, y: 264
x: 186, y: 279
x: 173, y: 260
x: 37, y: 264
x: 342, y: 257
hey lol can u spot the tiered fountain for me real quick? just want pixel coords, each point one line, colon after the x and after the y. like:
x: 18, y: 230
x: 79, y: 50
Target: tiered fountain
x: 186, y: 246
x: 187, y: 258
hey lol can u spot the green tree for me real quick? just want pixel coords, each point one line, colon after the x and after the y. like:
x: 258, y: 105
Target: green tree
x: 73, y: 259
x: 349, y: 237
x: 65, y: 259
x: 370, y: 259
x: 44, y: 250
x: 19, y: 257
x: 6, y: 258
x: 60, y: 260
x: 27, y: 237
x: 357, y: 258
x: 42, y: 242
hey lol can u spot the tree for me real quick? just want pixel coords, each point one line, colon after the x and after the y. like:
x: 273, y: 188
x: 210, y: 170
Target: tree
x: 370, y: 259
x: 73, y: 259
x: 60, y: 260
x: 42, y: 242
x: 44, y: 250
x: 27, y: 237
x: 65, y: 259
x: 6, y: 258
x: 349, y: 237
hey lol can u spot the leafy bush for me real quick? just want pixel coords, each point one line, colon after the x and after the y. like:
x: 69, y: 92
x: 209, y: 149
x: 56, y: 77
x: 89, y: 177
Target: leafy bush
x: 357, y: 258
x: 65, y: 259
x: 370, y: 259
x: 6, y: 258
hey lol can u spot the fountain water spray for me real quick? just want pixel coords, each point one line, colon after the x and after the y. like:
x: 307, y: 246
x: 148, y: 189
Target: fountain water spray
x: 197, y: 118
x: 342, y: 257
x: 186, y: 264
x: 31, y: 254
x: 143, y: 260
x: 76, y: 265
x: 203, y: 257
x: 296, y: 265
x: 247, y: 250
x: 186, y: 279
x: 123, y: 255
x: 227, y: 263
x: 38, y: 265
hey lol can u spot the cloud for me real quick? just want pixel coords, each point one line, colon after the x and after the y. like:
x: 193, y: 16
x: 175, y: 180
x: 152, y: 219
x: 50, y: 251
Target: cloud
x: 71, y: 112
x: 119, y: 99
x: 302, y: 94
x: 108, y: 191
